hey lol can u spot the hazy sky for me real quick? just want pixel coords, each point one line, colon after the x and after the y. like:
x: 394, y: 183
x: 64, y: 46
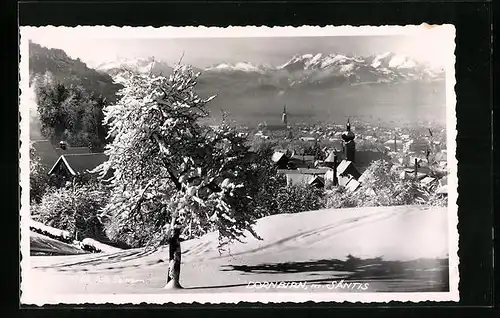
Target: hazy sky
x: 202, y: 52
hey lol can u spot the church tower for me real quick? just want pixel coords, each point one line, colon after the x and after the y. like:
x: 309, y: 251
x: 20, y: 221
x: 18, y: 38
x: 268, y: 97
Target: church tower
x: 284, y: 118
x: 349, y: 144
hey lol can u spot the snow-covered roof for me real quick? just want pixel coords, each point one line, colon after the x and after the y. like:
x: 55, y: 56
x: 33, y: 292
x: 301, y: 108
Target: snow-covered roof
x: 443, y: 181
x: 78, y: 164
x: 344, y: 180
x: 307, y: 138
x: 342, y: 167
x: 443, y: 189
x: 352, y: 185
x: 330, y: 157
x: 49, y: 154
x: 277, y: 156
x: 426, y: 181
x: 314, y: 179
x: 303, y: 157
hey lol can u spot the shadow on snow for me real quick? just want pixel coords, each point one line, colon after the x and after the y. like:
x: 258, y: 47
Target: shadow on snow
x: 416, y: 275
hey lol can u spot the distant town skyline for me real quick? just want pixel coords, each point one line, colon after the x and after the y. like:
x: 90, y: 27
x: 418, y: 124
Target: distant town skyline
x: 204, y: 52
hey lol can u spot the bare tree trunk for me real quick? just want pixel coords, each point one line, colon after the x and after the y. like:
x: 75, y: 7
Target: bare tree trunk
x: 174, y: 264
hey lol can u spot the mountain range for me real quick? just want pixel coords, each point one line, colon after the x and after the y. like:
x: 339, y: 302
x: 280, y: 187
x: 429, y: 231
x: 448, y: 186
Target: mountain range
x: 307, y: 71
x: 313, y: 86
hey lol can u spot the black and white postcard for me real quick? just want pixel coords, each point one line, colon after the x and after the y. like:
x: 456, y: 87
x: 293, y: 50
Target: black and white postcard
x: 240, y: 164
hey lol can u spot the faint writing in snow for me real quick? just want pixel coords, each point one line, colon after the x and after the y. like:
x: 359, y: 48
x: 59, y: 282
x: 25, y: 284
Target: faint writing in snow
x: 113, y: 279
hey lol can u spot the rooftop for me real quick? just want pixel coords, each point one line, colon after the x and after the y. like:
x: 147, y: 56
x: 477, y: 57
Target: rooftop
x: 81, y: 163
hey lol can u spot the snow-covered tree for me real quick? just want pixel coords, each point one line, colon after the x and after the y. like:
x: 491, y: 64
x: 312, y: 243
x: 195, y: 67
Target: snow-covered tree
x: 38, y: 177
x: 74, y: 208
x: 70, y: 112
x: 192, y: 177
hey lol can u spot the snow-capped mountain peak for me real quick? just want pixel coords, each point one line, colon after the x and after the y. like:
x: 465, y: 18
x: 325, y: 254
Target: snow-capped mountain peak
x: 139, y: 64
x: 303, y: 60
x: 335, y: 59
x: 400, y: 61
x: 318, y: 61
x: 303, y: 69
x: 239, y: 66
x: 377, y: 61
x: 142, y: 65
x: 393, y: 61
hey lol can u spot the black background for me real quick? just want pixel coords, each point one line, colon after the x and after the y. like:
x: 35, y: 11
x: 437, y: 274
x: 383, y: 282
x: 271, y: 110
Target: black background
x: 474, y: 91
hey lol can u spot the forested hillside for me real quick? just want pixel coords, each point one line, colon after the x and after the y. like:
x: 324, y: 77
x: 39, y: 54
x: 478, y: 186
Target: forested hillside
x: 69, y: 71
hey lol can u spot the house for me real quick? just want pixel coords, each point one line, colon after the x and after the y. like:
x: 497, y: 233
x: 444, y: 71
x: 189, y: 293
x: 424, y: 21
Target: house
x: 305, y: 179
x: 331, y: 160
x: 317, y: 181
x: 442, y: 187
x: 347, y: 168
x: 280, y: 159
x: 69, y: 166
x: 308, y: 171
x: 310, y: 139
x: 347, y: 181
x: 301, y: 161
x: 394, y: 144
x: 429, y: 182
x: 314, y: 171
x: 346, y: 175
x: 49, y: 154
x: 361, y: 159
x: 410, y: 173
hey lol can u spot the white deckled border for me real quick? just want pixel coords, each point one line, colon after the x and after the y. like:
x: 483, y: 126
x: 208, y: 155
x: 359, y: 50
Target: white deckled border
x: 234, y: 298
x: 127, y: 32
x: 24, y: 167
x: 445, y: 32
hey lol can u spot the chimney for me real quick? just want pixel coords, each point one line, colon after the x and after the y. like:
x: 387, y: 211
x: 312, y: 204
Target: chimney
x: 395, y: 144
x: 416, y: 167
x: 62, y: 145
x: 335, y: 180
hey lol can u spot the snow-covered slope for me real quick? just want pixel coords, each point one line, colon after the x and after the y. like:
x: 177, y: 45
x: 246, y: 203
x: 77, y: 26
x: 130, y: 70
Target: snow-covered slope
x: 393, y: 248
x: 44, y: 245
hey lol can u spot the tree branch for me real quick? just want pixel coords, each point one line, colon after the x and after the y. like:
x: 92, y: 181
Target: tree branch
x: 138, y: 205
x: 171, y: 174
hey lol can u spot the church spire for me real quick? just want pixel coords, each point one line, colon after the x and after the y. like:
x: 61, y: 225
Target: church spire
x: 349, y: 144
x: 284, y: 118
